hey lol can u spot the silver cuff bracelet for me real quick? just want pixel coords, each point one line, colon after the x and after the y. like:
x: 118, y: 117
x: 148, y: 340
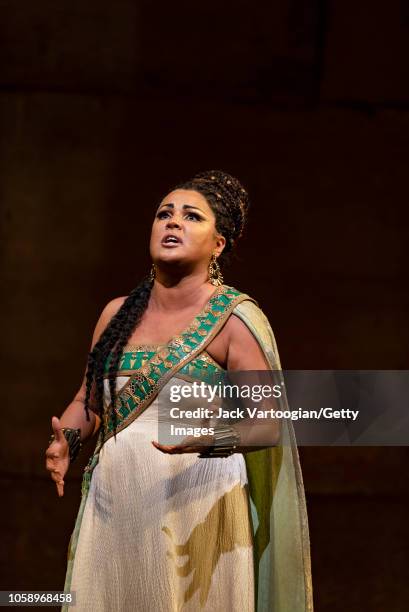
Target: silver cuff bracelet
x: 73, y: 437
x: 226, y: 440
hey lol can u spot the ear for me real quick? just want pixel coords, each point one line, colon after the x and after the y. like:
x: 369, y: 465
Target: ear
x: 220, y: 244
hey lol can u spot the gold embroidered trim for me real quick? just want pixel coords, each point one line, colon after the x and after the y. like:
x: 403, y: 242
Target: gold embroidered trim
x: 142, y: 347
x: 203, y: 356
x: 178, y: 338
x: 161, y: 383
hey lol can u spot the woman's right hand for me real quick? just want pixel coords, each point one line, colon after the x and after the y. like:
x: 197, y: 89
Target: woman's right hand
x: 57, y: 456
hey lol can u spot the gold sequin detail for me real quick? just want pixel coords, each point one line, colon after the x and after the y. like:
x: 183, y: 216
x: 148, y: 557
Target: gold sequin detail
x: 138, y: 377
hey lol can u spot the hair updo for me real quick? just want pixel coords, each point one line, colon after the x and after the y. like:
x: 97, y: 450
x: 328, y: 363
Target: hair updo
x: 229, y: 201
x: 227, y: 198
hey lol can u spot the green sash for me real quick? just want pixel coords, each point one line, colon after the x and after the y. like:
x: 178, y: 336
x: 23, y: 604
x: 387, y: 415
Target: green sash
x: 144, y: 385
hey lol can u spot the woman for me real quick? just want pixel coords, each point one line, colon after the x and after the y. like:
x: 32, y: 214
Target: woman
x: 160, y: 526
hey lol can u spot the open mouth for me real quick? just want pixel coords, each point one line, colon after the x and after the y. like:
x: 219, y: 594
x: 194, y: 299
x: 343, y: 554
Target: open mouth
x: 171, y: 240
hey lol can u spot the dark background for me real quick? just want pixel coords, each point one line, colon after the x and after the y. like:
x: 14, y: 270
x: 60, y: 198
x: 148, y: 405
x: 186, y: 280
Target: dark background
x: 103, y: 108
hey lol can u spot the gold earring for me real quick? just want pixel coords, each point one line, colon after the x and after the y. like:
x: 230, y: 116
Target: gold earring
x: 152, y: 273
x: 215, y: 275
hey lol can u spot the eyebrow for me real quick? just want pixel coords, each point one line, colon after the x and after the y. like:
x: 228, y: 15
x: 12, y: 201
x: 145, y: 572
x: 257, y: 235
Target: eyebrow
x: 171, y: 205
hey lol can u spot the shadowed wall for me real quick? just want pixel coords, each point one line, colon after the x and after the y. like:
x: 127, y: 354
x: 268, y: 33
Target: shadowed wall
x: 103, y: 109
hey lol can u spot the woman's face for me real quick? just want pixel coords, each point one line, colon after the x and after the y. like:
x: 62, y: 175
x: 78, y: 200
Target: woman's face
x: 184, y: 230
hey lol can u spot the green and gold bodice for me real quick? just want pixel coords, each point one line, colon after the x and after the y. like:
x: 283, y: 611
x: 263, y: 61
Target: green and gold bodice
x: 149, y: 367
x: 135, y: 357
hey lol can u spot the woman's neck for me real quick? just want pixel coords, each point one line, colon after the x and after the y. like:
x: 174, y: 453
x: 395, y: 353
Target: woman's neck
x: 188, y: 292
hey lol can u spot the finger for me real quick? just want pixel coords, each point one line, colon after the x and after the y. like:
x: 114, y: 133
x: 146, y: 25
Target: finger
x: 50, y: 465
x: 60, y: 487
x: 56, y: 469
x: 58, y: 433
x: 177, y: 449
x: 185, y: 443
x: 58, y: 478
x: 165, y: 448
x: 53, y: 456
x: 52, y: 447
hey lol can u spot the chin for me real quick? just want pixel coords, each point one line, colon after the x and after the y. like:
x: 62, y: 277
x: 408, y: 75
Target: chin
x: 171, y: 258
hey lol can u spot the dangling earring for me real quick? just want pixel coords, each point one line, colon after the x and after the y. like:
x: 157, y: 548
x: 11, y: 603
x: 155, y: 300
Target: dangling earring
x: 215, y: 275
x: 152, y: 273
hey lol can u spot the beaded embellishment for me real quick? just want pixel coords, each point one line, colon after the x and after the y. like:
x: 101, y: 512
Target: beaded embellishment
x: 148, y: 374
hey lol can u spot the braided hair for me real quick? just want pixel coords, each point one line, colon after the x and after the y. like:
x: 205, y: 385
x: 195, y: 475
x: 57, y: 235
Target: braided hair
x: 229, y: 201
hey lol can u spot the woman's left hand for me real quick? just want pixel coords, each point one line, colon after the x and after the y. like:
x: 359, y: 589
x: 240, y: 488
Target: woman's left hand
x: 190, y: 444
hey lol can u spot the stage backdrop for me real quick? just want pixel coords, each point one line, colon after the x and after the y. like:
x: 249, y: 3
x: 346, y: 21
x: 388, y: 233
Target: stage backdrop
x: 102, y: 109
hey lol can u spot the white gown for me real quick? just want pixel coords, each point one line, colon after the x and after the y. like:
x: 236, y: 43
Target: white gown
x: 161, y: 532
x: 158, y: 533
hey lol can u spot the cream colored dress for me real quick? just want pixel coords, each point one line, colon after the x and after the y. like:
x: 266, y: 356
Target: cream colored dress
x: 161, y: 532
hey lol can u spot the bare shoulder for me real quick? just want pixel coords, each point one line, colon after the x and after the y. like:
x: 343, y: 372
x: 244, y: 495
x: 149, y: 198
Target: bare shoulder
x: 237, y: 331
x: 106, y: 315
x: 244, y: 351
x: 113, y: 306
x: 236, y: 325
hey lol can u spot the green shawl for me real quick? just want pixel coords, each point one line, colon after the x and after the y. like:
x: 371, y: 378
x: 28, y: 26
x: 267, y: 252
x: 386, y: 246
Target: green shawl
x: 281, y: 539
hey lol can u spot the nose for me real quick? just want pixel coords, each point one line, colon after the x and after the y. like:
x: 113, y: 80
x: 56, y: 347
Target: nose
x: 173, y: 222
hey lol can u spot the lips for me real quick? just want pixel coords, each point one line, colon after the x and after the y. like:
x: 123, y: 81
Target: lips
x: 171, y: 240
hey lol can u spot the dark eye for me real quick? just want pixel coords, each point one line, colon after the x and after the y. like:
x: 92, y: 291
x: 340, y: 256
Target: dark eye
x: 194, y: 215
x: 161, y: 213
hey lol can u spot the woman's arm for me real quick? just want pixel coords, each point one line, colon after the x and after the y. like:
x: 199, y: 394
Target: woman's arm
x: 74, y: 415
x: 243, y: 350
x: 244, y: 353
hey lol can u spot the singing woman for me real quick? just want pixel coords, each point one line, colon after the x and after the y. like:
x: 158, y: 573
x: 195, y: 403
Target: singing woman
x: 214, y: 524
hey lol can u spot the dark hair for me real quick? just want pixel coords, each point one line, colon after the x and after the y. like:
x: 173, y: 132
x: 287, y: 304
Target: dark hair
x: 229, y: 201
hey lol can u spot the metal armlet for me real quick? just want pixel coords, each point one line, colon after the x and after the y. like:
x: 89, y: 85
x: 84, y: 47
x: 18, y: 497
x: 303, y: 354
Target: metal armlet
x: 226, y: 440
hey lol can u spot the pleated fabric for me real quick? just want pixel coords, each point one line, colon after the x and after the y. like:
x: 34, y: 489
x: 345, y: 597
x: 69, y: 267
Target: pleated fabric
x: 163, y: 533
